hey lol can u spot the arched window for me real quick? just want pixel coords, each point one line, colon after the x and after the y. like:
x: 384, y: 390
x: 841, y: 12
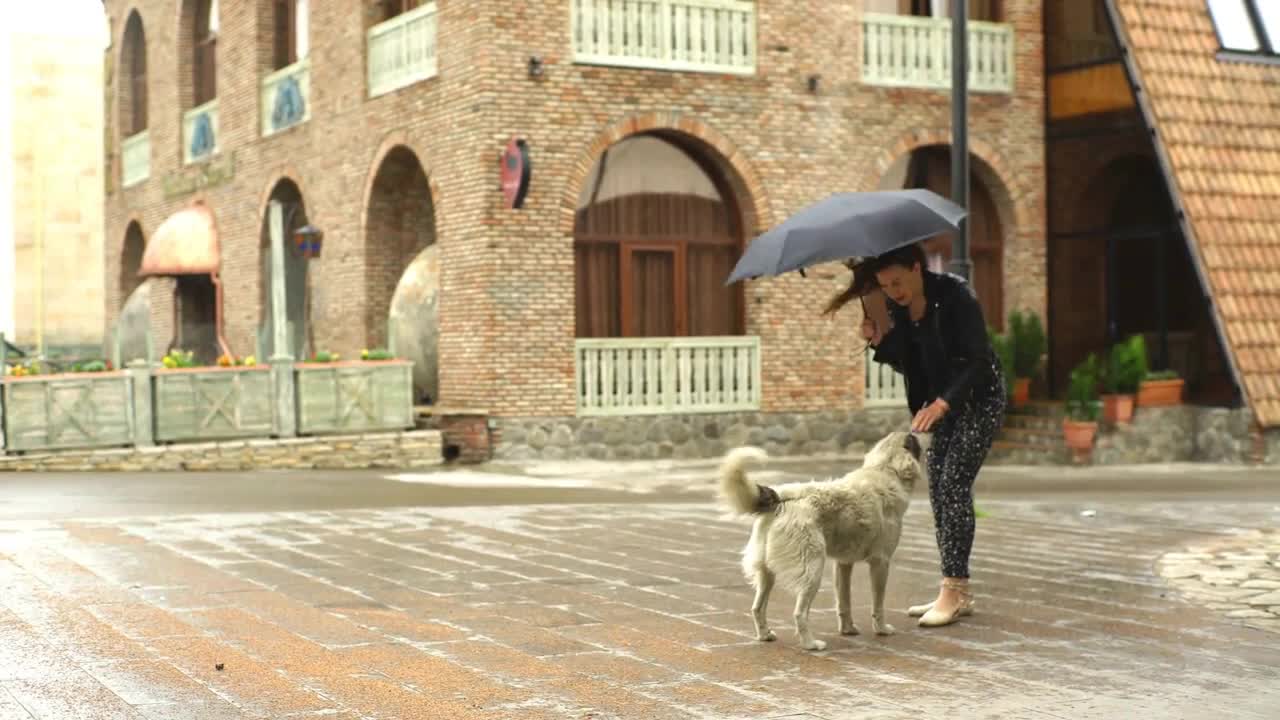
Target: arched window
x: 134, y: 77
x: 655, y: 236
x: 205, y: 60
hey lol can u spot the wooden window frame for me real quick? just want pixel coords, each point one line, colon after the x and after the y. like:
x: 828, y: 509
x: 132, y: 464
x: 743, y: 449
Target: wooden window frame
x: 204, y: 55
x: 1268, y: 47
x: 284, y: 33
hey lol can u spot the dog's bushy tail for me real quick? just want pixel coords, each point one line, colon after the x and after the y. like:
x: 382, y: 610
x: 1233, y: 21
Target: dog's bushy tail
x: 736, y: 491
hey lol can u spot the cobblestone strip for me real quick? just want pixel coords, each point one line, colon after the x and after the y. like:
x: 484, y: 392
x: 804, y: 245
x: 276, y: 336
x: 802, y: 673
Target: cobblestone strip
x: 1238, y: 576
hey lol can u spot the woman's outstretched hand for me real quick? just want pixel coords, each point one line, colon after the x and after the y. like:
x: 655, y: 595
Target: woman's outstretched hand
x: 868, y: 329
x: 929, y: 415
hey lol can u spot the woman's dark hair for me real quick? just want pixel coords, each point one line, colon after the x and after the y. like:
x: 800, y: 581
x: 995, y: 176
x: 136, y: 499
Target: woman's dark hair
x: 864, y: 273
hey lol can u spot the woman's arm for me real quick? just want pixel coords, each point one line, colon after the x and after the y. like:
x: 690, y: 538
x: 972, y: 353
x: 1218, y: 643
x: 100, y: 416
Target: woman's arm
x: 891, y: 349
x: 966, y: 323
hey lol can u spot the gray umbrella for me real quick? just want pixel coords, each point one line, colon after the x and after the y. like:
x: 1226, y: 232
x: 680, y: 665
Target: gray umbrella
x: 848, y: 225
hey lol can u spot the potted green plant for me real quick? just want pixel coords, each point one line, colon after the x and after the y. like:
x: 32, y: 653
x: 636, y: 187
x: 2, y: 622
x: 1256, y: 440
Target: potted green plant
x: 1162, y: 388
x: 1002, y: 344
x: 1029, y: 346
x: 1080, y: 427
x: 1125, y: 368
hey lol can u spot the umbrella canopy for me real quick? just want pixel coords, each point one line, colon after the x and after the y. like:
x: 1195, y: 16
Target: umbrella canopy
x: 847, y: 225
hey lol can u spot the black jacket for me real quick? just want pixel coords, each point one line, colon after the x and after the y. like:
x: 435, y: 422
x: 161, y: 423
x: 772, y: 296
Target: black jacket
x: 957, y: 352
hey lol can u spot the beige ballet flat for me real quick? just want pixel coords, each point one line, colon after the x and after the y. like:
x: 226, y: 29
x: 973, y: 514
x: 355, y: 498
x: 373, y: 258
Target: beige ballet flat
x: 934, y: 618
x: 919, y: 610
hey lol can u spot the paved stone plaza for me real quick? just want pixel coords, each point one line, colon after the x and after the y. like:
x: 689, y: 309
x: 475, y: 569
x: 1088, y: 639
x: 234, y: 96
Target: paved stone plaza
x: 633, y: 608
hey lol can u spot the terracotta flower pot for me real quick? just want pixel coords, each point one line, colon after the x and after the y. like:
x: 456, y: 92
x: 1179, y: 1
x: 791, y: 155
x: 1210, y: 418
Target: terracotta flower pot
x: 1117, y: 409
x: 1160, y: 393
x: 1079, y: 436
x: 1021, y: 391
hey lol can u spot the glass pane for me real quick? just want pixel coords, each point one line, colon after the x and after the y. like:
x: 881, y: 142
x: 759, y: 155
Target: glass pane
x: 1270, y: 13
x: 1234, y: 26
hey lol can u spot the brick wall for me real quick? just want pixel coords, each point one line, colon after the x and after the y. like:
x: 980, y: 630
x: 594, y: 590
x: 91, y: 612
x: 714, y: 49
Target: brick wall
x: 506, y: 309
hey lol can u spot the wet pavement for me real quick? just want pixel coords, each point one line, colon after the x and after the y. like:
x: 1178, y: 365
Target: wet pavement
x: 589, y: 591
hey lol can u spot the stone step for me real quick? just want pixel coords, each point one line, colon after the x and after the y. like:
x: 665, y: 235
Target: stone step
x: 1048, y: 437
x: 1004, y: 452
x: 1044, y: 423
x: 1040, y: 408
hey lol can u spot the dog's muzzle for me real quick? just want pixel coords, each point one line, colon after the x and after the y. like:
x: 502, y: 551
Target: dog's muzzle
x: 912, y: 444
x: 766, y: 499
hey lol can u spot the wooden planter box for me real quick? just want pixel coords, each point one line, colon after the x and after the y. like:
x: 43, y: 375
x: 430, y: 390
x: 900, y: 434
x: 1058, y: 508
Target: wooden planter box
x: 354, y: 397
x: 69, y: 410
x: 1160, y: 393
x: 213, y: 403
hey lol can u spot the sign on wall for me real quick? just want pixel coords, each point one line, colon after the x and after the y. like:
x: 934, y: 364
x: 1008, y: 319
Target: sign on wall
x: 515, y: 172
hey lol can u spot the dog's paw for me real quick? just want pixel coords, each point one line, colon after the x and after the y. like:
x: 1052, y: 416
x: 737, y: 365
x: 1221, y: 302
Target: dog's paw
x: 883, y: 628
x: 848, y: 628
x: 767, y: 636
x: 814, y: 645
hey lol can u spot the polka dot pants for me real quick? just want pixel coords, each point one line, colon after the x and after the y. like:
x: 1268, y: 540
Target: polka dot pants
x: 960, y: 445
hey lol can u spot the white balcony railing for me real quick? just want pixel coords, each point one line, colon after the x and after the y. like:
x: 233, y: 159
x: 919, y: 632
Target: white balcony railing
x: 200, y: 132
x: 885, y: 386
x: 643, y: 376
x: 697, y: 35
x: 135, y: 154
x: 905, y: 51
x: 286, y: 97
x: 402, y: 50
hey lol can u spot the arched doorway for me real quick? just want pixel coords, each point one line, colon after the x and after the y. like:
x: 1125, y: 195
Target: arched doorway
x: 930, y: 167
x: 1131, y: 273
x: 131, y: 261
x: 402, y: 275
x: 656, y: 233
x: 134, y: 320
x: 297, y: 292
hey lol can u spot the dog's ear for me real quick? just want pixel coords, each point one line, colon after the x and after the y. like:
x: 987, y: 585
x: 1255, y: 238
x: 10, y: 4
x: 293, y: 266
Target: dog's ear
x: 912, y: 445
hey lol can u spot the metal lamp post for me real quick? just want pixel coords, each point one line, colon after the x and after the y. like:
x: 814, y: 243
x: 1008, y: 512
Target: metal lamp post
x: 960, y: 263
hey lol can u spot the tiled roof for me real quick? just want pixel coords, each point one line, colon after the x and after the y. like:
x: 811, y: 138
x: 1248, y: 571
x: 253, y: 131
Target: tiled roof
x: 1218, y: 122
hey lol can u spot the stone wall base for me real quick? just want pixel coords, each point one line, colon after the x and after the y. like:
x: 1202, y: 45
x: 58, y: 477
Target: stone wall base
x: 1184, y: 433
x: 402, y: 450
x: 651, y: 437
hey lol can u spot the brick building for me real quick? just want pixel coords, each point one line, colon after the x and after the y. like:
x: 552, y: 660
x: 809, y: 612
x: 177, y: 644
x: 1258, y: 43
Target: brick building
x: 658, y: 141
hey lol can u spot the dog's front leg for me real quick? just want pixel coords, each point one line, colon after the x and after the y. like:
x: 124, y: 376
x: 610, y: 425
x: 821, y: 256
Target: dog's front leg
x: 879, y: 581
x: 844, y: 599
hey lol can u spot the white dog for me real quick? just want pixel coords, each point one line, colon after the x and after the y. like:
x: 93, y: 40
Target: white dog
x: 853, y: 519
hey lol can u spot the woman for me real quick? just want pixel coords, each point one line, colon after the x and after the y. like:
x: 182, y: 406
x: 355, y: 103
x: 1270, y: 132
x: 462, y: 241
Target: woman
x: 955, y: 389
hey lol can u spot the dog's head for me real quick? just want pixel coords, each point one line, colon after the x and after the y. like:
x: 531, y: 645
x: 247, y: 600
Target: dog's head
x: 902, y: 455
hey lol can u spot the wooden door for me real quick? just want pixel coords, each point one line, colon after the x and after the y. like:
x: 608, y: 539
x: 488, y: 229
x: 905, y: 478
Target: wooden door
x: 651, y: 296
